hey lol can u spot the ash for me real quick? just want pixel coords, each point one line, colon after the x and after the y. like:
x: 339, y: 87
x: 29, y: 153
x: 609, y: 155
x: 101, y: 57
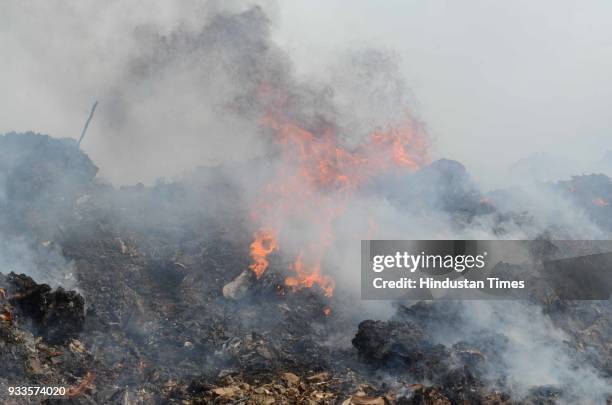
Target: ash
x: 136, y: 311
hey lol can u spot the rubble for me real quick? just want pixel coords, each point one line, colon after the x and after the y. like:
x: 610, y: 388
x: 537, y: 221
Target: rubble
x: 166, y: 313
x: 33, y: 349
x: 235, y: 390
x: 57, y: 316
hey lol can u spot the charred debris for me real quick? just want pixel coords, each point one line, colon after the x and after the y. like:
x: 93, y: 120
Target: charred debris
x: 136, y: 311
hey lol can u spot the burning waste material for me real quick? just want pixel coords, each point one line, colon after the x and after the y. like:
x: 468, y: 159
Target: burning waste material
x: 236, y: 283
x: 149, y: 322
x: 315, y: 183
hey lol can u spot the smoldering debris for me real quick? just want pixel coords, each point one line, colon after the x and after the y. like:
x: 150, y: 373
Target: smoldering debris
x: 57, y: 316
x: 150, y: 323
x: 145, y: 294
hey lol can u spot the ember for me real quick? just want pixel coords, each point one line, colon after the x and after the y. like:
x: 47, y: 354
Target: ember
x: 85, y: 384
x: 6, y: 316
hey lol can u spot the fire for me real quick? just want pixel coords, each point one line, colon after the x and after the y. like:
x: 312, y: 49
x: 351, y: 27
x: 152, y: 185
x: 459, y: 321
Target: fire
x: 309, y: 276
x: 600, y: 202
x: 317, y: 178
x: 264, y: 244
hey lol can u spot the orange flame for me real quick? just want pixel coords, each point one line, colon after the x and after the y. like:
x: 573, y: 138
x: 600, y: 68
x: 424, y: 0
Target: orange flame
x: 264, y: 244
x: 318, y: 177
x: 309, y: 276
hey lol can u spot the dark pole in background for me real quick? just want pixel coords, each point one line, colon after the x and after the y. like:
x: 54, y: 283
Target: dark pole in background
x: 91, y: 113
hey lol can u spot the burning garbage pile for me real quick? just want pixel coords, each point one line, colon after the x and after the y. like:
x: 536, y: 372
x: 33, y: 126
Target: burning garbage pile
x: 314, y: 184
x: 239, y: 283
x: 150, y: 318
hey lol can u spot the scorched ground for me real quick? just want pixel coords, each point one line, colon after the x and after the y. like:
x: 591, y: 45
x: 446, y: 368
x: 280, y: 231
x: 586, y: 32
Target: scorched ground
x: 136, y: 311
